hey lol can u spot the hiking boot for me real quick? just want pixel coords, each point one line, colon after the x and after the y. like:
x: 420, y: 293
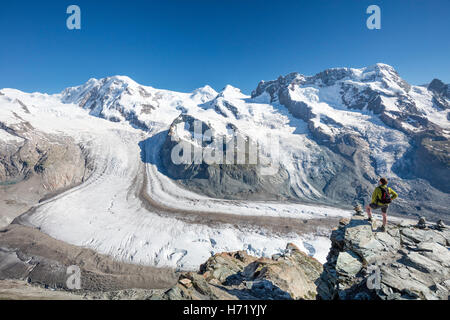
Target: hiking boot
x: 383, y: 228
x: 369, y: 219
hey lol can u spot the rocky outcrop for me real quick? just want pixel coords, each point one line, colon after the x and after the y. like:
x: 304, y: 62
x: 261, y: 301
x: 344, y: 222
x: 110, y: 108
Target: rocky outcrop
x: 237, y: 275
x: 35, y: 166
x: 407, y: 262
x: 28, y: 254
x: 432, y: 161
x: 224, y: 276
x: 225, y: 178
x: 57, y: 161
x: 441, y: 93
x: 103, y: 99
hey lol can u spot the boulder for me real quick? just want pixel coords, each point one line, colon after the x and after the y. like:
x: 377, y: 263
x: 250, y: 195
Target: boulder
x: 237, y: 275
x: 404, y: 263
x: 348, y: 263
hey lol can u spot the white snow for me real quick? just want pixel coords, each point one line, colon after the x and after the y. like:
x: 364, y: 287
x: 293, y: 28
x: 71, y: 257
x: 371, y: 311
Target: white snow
x: 423, y: 99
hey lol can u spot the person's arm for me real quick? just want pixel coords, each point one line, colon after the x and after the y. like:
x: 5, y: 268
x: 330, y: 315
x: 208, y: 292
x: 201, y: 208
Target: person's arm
x: 375, y: 195
x: 393, y: 194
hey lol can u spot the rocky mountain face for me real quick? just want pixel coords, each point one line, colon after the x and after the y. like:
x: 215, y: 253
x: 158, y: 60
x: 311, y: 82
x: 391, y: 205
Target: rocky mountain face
x: 35, y: 165
x: 237, y: 275
x: 441, y: 93
x: 407, y: 262
x: 58, y: 161
x: 106, y: 98
x: 226, y: 178
x: 120, y: 99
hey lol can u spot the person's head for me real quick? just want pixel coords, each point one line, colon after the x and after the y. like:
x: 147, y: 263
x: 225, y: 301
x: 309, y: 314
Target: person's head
x: 383, y: 181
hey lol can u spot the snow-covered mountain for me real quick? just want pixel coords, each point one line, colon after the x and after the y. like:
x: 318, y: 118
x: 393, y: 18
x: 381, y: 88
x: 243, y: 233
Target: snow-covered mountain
x: 119, y: 98
x: 337, y: 132
x: 327, y: 137
x: 380, y: 124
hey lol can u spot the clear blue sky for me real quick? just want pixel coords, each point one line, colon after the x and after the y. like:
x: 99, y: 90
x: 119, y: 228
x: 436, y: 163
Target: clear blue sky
x: 182, y: 45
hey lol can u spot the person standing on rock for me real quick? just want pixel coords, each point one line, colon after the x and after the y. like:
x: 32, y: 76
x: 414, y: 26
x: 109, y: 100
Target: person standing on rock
x: 382, y: 196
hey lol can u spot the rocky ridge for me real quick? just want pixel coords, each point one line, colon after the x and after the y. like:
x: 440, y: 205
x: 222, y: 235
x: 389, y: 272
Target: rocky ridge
x: 407, y: 262
x: 35, y: 165
x: 237, y: 275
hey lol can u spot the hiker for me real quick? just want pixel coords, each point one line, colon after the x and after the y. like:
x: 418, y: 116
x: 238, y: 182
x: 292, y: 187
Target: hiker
x: 382, y: 196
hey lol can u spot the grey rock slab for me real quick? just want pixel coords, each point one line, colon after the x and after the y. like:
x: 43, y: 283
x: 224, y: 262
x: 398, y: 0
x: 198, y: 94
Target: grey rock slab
x: 422, y: 263
x: 436, y: 252
x: 358, y: 235
x: 388, y: 241
x: 371, y: 251
x: 399, y: 284
x: 348, y: 264
x: 420, y: 235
